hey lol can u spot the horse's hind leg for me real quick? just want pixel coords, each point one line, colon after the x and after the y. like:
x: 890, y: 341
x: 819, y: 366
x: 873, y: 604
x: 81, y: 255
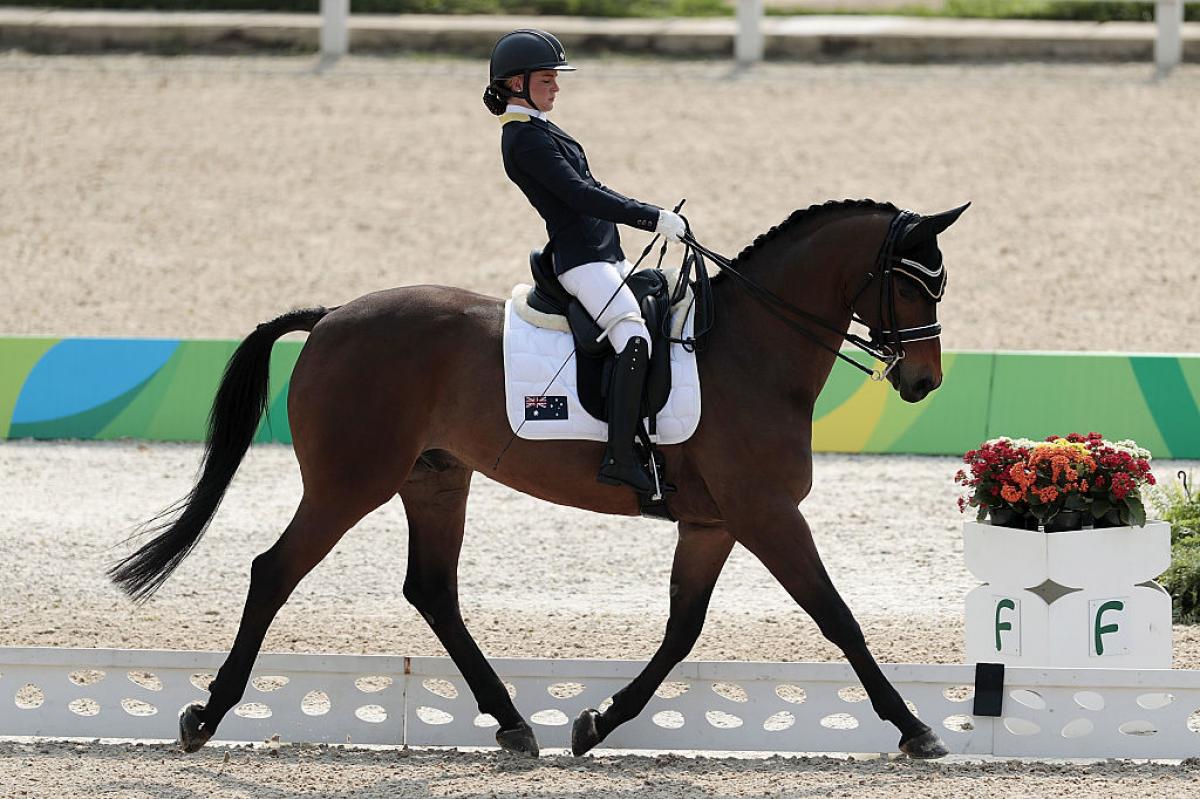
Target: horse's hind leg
x: 700, y: 555
x: 435, y: 500
x: 313, y: 531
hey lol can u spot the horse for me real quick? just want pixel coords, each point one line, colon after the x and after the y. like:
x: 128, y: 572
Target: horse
x: 401, y: 392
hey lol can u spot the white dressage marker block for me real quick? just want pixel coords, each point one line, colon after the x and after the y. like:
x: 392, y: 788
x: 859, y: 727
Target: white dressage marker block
x: 1082, y: 598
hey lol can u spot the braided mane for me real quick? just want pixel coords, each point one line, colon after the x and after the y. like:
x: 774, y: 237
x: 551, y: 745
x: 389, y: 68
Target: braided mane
x: 806, y: 214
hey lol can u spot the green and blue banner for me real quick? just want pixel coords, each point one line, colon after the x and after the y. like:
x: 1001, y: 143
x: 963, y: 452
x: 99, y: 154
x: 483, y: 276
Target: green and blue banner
x: 161, y: 389
x: 155, y: 389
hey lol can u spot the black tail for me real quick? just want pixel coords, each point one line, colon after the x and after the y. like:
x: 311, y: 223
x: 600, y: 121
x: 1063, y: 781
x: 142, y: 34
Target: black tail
x: 232, y: 422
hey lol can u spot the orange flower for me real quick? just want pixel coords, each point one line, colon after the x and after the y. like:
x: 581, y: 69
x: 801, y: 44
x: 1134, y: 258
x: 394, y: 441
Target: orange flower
x: 1060, y: 466
x: 1022, y: 475
x: 1048, y: 494
x: 1065, y: 462
x: 1011, y: 493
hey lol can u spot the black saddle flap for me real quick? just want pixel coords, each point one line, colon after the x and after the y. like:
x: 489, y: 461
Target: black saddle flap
x: 548, y: 295
x: 586, y: 331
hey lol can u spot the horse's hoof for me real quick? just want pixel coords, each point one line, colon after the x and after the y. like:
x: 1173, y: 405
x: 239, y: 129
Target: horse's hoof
x: 519, y: 740
x: 192, y: 734
x: 585, y: 733
x: 926, y: 746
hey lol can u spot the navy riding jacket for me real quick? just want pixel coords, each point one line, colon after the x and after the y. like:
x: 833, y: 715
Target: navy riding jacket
x: 581, y: 214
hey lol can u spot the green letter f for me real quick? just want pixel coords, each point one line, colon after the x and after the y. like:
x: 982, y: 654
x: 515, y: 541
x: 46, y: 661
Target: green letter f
x: 1003, y: 625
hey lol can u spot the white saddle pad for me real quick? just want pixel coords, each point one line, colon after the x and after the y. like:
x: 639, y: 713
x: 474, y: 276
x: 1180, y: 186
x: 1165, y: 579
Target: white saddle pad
x: 542, y: 406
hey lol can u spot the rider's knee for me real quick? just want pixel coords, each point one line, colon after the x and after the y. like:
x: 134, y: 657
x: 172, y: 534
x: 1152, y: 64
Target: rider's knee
x: 625, y: 330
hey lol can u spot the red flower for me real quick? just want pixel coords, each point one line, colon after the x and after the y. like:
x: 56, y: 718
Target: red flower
x: 1122, y: 485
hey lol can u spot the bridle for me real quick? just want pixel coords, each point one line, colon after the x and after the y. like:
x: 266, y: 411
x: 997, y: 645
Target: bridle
x: 890, y: 339
x: 885, y: 344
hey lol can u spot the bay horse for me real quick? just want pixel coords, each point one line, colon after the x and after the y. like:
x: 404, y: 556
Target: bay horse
x: 401, y: 391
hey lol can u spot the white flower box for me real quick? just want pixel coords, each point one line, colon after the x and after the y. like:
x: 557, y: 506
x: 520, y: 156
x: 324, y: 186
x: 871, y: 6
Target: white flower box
x: 1083, y: 599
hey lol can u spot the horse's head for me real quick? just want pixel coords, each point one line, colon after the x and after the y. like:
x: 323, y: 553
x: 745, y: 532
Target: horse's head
x: 899, y: 303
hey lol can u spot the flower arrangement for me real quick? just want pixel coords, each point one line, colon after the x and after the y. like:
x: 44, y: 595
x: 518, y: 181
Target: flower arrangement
x: 1061, y: 483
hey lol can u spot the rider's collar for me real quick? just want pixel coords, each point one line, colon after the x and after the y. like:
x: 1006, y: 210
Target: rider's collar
x: 513, y: 108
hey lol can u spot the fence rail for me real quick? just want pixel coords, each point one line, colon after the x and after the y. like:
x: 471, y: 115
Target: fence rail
x: 750, y: 41
x: 750, y: 44
x: 703, y: 706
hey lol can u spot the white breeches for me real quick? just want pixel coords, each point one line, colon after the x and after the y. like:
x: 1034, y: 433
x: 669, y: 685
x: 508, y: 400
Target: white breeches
x: 594, y: 284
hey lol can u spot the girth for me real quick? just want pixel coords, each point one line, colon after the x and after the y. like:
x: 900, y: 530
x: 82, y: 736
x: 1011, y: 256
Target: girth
x: 594, y: 356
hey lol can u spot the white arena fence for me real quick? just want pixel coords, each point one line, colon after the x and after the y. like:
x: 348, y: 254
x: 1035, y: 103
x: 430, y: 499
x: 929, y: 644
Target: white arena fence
x: 720, y: 706
x: 750, y: 43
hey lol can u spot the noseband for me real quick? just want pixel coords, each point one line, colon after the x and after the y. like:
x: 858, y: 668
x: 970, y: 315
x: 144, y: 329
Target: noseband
x: 886, y: 344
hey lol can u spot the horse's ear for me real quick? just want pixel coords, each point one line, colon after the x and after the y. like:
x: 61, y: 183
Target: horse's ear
x: 927, y: 227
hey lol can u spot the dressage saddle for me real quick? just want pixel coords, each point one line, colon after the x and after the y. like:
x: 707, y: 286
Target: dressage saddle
x: 594, y: 359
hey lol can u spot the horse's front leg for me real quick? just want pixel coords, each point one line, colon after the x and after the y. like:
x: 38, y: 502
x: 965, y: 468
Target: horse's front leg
x: 699, y: 556
x: 781, y: 539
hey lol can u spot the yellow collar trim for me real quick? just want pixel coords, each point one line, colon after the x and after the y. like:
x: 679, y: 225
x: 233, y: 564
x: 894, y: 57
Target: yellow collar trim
x: 512, y: 116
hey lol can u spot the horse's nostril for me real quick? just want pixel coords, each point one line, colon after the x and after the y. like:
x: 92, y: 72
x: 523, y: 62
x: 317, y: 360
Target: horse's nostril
x: 923, y: 386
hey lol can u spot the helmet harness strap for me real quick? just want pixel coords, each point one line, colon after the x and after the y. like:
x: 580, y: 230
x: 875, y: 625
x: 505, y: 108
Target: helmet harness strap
x: 525, y: 95
x: 507, y: 92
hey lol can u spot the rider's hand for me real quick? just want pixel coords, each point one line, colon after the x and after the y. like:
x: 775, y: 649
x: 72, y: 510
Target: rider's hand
x: 670, y: 225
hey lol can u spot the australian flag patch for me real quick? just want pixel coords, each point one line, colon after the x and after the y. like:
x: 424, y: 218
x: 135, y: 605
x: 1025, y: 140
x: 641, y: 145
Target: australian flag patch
x: 545, y: 407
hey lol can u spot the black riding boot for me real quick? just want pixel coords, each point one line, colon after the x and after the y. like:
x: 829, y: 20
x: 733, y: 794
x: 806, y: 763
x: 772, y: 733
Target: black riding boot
x: 621, y: 465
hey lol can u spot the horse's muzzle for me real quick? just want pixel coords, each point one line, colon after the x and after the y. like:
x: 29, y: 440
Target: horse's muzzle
x: 914, y: 388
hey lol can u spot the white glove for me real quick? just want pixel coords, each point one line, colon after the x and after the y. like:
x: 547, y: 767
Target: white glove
x: 670, y: 225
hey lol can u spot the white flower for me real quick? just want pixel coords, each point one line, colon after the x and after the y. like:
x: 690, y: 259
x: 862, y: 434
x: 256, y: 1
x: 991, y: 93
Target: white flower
x: 1131, y: 447
x: 1016, y: 443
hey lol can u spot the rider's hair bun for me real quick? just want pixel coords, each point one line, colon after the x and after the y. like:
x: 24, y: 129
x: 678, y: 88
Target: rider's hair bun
x: 494, y: 101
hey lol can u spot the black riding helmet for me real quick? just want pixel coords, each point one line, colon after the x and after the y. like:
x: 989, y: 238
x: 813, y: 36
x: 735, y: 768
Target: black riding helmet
x: 523, y: 52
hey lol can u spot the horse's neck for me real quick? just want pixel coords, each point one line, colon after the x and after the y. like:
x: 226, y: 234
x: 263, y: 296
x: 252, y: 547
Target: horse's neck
x: 811, y: 272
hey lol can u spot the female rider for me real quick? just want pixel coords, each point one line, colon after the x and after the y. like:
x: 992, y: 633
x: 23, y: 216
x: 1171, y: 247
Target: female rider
x: 581, y: 214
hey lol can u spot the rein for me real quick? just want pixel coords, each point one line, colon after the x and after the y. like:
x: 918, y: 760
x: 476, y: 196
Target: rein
x: 886, y: 345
